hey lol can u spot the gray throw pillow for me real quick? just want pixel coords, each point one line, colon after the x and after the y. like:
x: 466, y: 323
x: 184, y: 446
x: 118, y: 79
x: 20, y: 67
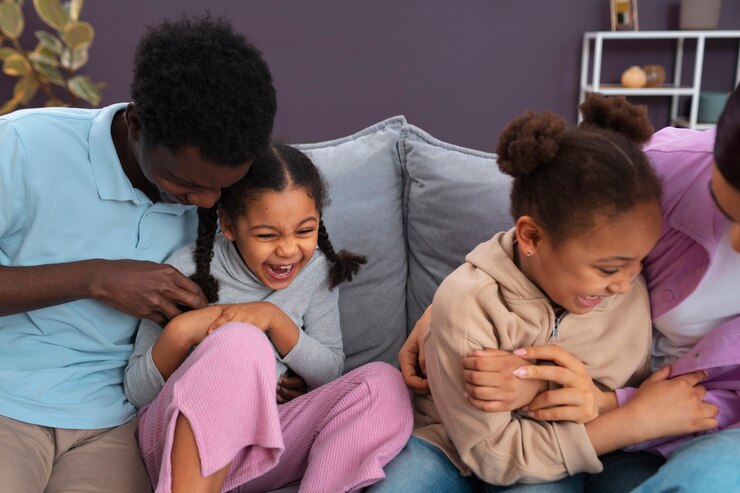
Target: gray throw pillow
x: 363, y: 174
x: 454, y: 199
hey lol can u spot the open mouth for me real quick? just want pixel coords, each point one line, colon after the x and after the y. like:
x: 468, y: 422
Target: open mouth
x: 280, y: 272
x: 590, y: 300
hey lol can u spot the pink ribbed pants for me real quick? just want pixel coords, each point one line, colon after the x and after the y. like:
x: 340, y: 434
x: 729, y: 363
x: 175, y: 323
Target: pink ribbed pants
x: 335, y: 438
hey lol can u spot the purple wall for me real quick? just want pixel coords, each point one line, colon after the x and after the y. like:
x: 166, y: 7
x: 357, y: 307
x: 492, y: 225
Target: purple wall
x: 458, y: 69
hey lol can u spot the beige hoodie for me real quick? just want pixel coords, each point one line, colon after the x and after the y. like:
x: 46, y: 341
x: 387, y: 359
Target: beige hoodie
x: 488, y: 303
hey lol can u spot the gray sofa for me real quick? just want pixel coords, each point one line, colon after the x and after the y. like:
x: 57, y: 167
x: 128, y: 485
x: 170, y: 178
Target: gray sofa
x: 415, y: 206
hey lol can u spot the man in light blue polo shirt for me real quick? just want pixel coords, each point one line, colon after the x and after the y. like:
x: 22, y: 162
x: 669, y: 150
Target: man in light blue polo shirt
x: 92, y: 201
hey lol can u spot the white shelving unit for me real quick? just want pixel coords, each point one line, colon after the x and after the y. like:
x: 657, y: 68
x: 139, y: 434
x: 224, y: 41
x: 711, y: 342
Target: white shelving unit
x: 595, y: 40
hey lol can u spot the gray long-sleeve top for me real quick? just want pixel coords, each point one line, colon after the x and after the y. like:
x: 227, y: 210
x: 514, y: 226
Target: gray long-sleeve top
x: 317, y: 357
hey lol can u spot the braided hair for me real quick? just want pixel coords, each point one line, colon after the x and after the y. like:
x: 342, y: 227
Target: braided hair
x: 279, y: 168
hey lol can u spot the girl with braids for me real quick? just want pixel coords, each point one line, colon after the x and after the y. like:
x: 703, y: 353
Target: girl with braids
x: 206, y: 383
x: 562, y: 286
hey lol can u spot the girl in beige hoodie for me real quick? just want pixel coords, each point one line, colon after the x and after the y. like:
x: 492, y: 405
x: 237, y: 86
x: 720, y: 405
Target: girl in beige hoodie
x: 587, y: 209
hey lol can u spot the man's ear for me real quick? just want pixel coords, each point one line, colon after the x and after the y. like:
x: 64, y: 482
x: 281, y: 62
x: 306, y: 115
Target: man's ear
x: 528, y: 235
x: 133, y: 121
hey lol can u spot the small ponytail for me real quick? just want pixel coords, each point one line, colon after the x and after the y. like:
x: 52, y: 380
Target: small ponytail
x: 344, y: 264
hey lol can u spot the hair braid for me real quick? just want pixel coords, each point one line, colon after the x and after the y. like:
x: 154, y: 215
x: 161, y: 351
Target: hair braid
x: 344, y: 264
x: 207, y: 221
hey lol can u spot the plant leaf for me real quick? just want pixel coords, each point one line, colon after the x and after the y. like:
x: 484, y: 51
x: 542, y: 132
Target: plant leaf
x: 50, y: 41
x: 6, y: 51
x: 78, y: 34
x: 41, y: 58
x: 55, y: 102
x: 80, y: 57
x: 9, y: 106
x: 83, y: 88
x: 16, y: 65
x: 11, y: 19
x: 75, y: 7
x: 52, y: 13
x: 50, y: 73
x: 25, y: 89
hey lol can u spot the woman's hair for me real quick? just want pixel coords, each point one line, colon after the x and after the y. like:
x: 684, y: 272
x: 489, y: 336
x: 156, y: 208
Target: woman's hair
x: 727, y: 142
x: 198, y: 82
x: 279, y: 168
x: 569, y: 178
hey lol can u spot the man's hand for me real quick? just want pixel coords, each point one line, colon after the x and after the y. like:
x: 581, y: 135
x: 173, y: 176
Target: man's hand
x: 411, y: 357
x: 144, y: 289
x: 490, y: 384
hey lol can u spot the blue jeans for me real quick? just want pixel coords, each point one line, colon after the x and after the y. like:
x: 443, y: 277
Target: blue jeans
x: 707, y: 463
x: 622, y: 472
x: 423, y: 468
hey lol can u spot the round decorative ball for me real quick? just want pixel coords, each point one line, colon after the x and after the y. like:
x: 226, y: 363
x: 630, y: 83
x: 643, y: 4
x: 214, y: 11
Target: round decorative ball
x: 634, y: 77
x: 655, y: 75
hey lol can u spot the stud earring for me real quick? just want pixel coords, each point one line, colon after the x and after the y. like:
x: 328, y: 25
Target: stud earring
x: 529, y: 253
x: 228, y: 237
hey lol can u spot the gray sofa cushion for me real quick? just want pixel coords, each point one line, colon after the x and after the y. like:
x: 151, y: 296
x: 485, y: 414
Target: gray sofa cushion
x: 454, y: 198
x: 363, y: 173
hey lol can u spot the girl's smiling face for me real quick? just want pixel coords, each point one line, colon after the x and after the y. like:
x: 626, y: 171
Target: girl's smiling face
x: 578, y: 273
x: 276, y: 236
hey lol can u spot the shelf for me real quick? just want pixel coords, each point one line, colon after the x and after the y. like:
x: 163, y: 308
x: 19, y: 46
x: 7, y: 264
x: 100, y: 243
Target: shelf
x: 675, y: 88
x: 618, y: 89
x: 683, y: 122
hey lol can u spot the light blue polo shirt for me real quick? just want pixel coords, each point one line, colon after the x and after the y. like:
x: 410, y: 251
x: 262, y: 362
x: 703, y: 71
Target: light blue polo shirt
x: 64, y: 197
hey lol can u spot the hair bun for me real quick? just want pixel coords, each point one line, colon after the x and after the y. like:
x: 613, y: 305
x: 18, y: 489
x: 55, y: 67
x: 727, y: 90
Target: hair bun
x: 617, y: 114
x: 529, y: 141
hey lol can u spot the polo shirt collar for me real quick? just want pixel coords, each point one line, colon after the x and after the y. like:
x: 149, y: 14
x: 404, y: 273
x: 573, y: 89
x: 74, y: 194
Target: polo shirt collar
x: 110, y: 179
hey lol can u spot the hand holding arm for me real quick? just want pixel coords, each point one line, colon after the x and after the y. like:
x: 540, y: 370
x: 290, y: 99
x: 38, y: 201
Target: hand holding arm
x: 660, y: 408
x: 578, y: 399
x: 491, y: 385
x: 182, y: 333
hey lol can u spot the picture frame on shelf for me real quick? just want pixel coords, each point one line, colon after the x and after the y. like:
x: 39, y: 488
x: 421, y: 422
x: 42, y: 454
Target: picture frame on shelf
x: 623, y: 15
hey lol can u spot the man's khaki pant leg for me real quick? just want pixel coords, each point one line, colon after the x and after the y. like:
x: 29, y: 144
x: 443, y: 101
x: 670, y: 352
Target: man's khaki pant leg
x: 26, y: 456
x: 95, y: 461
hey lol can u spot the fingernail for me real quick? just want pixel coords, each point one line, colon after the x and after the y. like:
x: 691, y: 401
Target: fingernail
x: 520, y: 352
x: 520, y: 372
x: 530, y: 414
x: 525, y: 408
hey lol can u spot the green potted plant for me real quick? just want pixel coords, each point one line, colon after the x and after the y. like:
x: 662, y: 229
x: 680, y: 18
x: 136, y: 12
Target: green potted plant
x: 53, y: 63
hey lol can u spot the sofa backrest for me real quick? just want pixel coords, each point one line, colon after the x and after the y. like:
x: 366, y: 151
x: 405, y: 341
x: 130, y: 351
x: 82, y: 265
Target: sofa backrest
x: 415, y: 206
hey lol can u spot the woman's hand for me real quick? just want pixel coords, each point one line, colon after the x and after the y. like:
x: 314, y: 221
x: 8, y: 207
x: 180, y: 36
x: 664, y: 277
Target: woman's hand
x: 411, y: 356
x: 666, y: 408
x: 490, y: 384
x: 578, y: 399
